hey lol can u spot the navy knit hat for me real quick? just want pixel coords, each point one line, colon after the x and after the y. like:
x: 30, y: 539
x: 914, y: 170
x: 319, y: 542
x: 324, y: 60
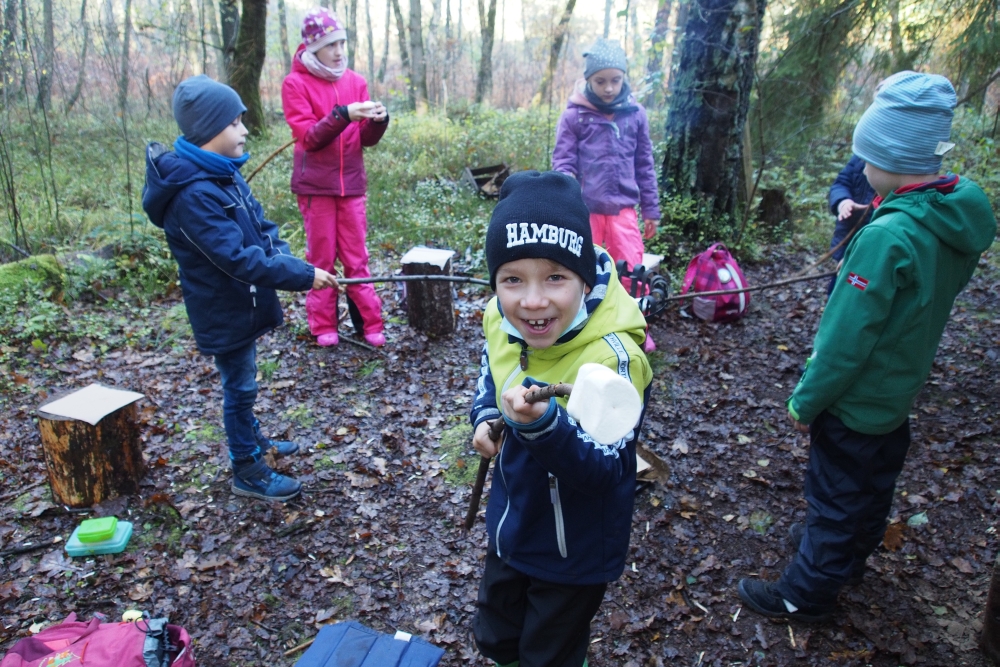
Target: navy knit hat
x: 541, y: 215
x: 604, y: 54
x: 907, y: 127
x: 204, y: 107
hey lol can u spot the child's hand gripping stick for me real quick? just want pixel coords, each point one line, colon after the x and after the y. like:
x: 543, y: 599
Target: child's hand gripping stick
x: 606, y: 405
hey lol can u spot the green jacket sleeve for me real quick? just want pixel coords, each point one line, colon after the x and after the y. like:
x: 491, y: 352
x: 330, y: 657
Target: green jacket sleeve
x: 854, y: 319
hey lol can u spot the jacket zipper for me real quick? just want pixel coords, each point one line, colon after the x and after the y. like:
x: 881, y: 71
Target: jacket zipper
x: 253, y: 295
x: 557, y: 509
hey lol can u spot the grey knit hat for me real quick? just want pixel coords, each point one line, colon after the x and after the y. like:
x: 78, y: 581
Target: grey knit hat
x: 204, y: 107
x: 907, y: 127
x: 604, y: 54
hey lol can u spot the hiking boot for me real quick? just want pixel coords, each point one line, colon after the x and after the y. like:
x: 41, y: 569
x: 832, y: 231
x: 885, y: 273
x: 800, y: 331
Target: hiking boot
x: 375, y: 339
x: 253, y: 479
x: 795, y: 533
x: 763, y: 598
x: 281, y: 447
x: 327, y: 339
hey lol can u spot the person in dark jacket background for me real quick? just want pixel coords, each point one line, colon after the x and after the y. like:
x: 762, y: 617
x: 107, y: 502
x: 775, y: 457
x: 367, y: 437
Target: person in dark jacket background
x: 230, y: 261
x: 850, y: 201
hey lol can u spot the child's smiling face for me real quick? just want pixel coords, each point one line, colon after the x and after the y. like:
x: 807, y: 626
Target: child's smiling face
x: 229, y: 142
x: 607, y: 83
x: 540, y: 298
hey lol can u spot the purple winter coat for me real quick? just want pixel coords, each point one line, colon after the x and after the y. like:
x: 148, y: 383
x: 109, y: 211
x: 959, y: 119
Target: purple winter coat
x: 612, y: 158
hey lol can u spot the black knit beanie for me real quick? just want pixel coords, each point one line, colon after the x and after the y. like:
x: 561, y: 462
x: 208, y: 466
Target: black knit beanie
x: 541, y: 215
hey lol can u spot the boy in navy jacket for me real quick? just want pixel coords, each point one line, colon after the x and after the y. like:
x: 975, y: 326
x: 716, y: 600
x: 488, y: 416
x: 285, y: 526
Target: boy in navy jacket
x: 230, y: 261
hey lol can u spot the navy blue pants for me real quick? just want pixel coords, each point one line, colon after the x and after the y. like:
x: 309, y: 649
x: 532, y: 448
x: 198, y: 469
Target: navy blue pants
x: 530, y: 621
x: 239, y: 392
x: 849, y: 487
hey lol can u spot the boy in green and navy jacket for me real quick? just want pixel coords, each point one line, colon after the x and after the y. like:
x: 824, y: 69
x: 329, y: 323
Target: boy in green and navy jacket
x: 560, y: 508
x: 877, y: 340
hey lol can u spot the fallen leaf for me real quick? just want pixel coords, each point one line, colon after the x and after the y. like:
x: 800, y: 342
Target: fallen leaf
x: 893, y: 539
x: 962, y: 565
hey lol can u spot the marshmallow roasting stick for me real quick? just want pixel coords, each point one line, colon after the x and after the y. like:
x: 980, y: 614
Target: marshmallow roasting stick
x: 606, y: 405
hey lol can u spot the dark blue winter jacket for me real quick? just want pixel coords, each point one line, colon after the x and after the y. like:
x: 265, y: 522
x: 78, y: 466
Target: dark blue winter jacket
x: 851, y: 183
x: 230, y: 257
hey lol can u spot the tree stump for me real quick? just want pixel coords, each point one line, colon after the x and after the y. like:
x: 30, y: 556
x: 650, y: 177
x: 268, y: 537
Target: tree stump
x: 430, y: 306
x: 88, y: 463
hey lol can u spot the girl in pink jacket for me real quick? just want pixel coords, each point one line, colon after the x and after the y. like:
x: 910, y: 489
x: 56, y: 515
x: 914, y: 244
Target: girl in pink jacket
x: 328, y: 108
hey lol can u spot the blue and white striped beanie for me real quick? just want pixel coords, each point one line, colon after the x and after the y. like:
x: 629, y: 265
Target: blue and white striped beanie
x: 907, y: 127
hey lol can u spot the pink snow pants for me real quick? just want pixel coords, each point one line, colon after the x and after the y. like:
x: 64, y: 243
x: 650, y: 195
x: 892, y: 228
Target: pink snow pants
x: 619, y: 235
x: 336, y: 229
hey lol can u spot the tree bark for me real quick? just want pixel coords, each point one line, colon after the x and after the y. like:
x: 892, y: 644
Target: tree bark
x: 487, y: 25
x: 654, y: 60
x: 558, y: 37
x: 211, y: 16
x: 126, y: 62
x: 8, y: 42
x: 251, y: 48
x: 352, y: 32
x: 429, y: 305
x: 418, y: 69
x: 87, y: 464
x: 380, y: 77
x: 229, y: 14
x: 607, y: 17
x: 48, y: 56
x: 710, y: 102
x: 404, y: 53
x: 81, y: 74
x: 371, y: 41
x: 286, y: 55
x: 683, y: 9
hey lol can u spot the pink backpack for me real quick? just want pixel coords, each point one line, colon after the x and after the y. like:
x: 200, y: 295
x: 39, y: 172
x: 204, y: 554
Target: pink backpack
x: 145, y: 643
x: 715, y: 269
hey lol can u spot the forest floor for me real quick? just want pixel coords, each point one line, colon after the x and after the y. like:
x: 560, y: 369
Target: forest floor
x: 387, y: 465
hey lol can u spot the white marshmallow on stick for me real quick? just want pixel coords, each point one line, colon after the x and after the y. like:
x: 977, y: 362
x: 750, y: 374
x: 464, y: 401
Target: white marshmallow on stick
x: 606, y: 405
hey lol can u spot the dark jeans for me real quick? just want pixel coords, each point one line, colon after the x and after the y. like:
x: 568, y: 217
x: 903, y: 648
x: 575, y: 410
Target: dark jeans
x: 538, y: 623
x: 239, y: 392
x: 849, y: 486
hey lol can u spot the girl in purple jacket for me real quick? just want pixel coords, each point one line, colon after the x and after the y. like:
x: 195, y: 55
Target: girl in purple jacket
x: 603, y: 141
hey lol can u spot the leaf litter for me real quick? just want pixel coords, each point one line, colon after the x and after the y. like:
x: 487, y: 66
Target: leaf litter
x: 386, y: 462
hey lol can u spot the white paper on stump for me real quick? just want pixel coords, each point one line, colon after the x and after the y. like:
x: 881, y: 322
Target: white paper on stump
x: 91, y: 404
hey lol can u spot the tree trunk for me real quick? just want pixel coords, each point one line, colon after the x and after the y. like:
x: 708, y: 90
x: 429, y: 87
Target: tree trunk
x: 989, y: 640
x: 432, y: 54
x: 683, y: 9
x: 487, y: 24
x: 81, y: 74
x: 352, y: 32
x: 87, y: 464
x: 211, y: 15
x: 404, y: 53
x: 607, y: 17
x: 251, y: 48
x: 286, y: 55
x: 126, y: 62
x: 430, y: 306
x: 9, y: 39
x: 380, y: 77
x: 709, y: 104
x: 557, y: 43
x: 418, y: 69
x: 654, y: 60
x: 229, y: 14
x: 48, y: 57
x: 371, y: 41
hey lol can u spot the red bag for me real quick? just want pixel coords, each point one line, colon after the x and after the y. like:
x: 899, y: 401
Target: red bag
x: 713, y: 270
x: 145, y: 643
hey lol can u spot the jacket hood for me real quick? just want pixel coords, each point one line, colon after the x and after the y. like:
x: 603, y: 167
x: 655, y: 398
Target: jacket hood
x: 578, y: 97
x: 166, y: 175
x: 607, y: 292
x: 297, y: 65
x: 962, y: 219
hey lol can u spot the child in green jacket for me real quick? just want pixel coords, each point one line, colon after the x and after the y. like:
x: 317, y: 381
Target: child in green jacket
x: 877, y: 340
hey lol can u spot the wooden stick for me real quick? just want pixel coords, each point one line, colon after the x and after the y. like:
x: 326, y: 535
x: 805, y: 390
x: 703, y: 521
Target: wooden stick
x: 827, y: 255
x: 407, y: 279
x: 268, y: 159
x: 298, y: 648
x: 779, y: 283
x: 496, y: 430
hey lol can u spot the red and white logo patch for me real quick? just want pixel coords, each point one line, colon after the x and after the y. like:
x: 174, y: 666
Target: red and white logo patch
x: 857, y: 281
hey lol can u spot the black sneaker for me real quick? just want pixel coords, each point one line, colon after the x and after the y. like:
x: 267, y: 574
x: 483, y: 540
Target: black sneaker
x: 795, y: 533
x: 763, y: 598
x: 281, y: 447
x: 254, y: 479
